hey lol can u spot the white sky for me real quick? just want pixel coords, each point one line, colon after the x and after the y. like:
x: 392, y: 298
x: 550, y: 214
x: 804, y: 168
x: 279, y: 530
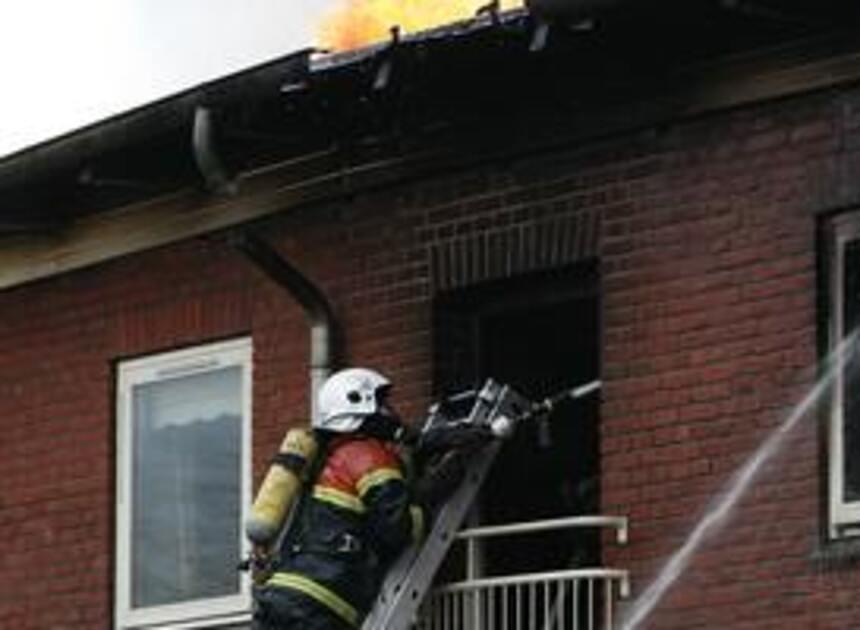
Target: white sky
x: 67, y: 63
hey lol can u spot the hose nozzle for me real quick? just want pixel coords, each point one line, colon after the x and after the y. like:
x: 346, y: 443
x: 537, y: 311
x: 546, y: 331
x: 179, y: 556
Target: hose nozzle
x: 548, y: 404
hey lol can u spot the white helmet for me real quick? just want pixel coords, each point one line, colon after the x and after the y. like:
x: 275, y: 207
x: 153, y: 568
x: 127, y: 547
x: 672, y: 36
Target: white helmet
x: 347, y: 398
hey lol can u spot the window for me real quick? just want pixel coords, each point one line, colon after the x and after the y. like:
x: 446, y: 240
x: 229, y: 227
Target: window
x: 182, y: 485
x: 844, y: 438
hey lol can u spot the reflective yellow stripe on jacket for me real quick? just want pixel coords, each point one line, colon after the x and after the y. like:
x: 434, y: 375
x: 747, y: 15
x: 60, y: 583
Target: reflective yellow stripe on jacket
x: 339, y: 498
x: 375, y: 478
x: 320, y: 593
x: 417, y: 514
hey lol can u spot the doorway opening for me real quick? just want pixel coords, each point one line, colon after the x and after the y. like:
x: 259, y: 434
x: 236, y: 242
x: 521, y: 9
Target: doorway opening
x: 539, y: 334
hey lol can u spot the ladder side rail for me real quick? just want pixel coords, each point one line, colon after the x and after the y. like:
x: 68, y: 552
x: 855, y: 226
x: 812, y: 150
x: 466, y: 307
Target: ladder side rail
x: 408, y: 580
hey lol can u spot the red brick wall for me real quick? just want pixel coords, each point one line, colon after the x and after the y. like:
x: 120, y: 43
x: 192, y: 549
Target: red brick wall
x: 710, y: 292
x: 707, y: 252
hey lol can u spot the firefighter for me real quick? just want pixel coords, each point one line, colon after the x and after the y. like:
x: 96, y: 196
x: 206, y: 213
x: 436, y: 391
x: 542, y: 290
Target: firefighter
x: 359, y: 513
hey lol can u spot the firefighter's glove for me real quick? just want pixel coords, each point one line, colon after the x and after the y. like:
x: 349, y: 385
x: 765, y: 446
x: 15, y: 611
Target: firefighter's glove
x: 439, y: 480
x: 461, y: 437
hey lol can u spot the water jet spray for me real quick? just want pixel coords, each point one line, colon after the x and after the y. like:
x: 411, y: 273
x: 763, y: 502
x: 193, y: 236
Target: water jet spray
x: 725, y: 501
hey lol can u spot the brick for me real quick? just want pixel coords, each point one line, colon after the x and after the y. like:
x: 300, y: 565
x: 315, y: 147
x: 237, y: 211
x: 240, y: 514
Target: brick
x: 707, y: 252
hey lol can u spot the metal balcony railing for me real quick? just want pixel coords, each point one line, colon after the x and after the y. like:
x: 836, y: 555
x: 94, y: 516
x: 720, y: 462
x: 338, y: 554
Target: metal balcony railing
x: 568, y: 599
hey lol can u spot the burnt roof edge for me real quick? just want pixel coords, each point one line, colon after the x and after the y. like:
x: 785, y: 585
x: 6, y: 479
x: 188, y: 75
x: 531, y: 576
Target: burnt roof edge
x: 178, y: 109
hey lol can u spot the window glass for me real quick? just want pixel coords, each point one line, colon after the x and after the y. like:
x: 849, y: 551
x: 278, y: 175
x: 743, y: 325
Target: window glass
x: 186, y: 489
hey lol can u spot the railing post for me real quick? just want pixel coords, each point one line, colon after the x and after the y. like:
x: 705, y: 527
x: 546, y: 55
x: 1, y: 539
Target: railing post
x: 474, y: 570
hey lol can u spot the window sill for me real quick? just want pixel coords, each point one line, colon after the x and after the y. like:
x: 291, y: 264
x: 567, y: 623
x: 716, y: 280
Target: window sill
x: 238, y: 622
x: 835, y: 554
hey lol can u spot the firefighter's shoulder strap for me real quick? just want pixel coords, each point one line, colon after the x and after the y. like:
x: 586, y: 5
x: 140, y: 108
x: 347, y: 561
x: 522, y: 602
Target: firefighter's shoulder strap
x: 291, y: 530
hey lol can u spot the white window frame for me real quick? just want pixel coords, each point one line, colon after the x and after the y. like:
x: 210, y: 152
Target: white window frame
x: 844, y: 517
x: 202, y: 613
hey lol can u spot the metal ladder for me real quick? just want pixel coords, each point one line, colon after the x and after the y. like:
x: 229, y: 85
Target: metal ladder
x: 403, y: 591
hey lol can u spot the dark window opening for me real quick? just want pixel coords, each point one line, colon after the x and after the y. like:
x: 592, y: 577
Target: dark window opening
x: 539, y: 334
x: 851, y: 383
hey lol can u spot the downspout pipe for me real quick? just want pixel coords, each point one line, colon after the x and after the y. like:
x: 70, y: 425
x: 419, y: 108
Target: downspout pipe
x: 323, y: 324
x: 218, y: 180
x: 206, y: 156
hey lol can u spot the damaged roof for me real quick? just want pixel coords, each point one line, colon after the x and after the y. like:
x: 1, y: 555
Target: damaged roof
x: 416, y: 89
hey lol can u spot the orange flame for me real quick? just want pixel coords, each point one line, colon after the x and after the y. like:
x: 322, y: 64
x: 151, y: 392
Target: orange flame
x: 356, y: 23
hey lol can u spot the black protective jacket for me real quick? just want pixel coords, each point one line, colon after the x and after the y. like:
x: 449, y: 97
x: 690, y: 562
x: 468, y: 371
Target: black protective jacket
x: 356, y: 520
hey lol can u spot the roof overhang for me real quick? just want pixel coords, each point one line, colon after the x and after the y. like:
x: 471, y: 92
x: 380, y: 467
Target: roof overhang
x: 297, y: 122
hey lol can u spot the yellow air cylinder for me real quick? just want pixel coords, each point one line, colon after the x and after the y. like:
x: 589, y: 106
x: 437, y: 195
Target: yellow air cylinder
x: 281, y: 486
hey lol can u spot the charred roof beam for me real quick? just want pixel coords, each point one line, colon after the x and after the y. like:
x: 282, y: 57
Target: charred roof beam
x: 493, y: 9
x: 387, y: 56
